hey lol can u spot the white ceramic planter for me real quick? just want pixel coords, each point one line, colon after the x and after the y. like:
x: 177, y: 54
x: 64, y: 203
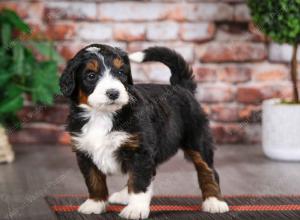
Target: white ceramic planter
x: 281, y: 130
x: 6, y: 152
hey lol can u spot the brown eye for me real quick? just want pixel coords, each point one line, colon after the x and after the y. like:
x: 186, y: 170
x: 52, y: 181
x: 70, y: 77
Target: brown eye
x: 91, y: 76
x: 121, y: 72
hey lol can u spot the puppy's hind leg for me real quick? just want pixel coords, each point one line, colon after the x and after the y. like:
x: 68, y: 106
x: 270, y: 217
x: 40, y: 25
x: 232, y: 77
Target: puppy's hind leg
x: 208, y: 182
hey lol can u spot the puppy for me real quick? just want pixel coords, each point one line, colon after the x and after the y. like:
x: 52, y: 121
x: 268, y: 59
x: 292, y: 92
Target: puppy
x: 118, y: 127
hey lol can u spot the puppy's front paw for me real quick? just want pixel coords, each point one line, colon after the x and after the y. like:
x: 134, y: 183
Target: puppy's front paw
x: 135, y: 212
x: 213, y: 205
x: 121, y: 197
x: 91, y: 206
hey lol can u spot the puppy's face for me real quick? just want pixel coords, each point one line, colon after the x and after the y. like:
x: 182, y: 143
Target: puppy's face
x: 98, y: 77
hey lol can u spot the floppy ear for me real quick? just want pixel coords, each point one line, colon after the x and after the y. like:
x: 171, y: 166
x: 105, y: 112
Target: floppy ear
x: 125, y: 58
x: 67, y: 79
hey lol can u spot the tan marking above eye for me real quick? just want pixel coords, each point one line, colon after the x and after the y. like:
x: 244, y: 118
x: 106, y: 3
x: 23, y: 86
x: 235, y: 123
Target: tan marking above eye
x: 93, y: 65
x: 118, y: 63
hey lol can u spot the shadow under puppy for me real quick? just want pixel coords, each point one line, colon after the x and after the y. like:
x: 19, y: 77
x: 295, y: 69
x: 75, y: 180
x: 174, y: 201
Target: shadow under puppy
x: 118, y: 127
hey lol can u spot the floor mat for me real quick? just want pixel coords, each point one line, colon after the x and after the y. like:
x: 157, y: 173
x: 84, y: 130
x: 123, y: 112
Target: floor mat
x: 252, y: 207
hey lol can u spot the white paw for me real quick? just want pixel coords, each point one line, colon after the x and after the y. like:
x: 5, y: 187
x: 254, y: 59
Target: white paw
x: 135, y: 212
x: 91, y: 206
x: 213, y: 205
x: 121, y: 197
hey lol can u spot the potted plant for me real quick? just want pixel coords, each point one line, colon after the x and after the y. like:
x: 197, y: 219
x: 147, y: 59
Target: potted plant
x: 280, y: 20
x: 22, y: 74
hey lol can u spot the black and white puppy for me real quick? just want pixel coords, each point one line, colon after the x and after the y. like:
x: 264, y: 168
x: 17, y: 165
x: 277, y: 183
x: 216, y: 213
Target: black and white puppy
x: 119, y: 127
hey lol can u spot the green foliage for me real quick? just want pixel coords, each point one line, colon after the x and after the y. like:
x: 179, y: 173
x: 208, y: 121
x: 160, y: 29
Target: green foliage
x: 21, y: 73
x: 279, y: 19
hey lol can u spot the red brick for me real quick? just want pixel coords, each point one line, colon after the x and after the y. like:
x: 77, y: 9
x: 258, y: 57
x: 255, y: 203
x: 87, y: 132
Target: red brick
x: 232, y: 33
x: 281, y: 52
x: 132, y: 11
x: 224, y: 113
x: 215, y: 93
x: 242, y: 13
x: 21, y: 11
x: 198, y: 32
x: 35, y: 11
x: 68, y: 50
x: 270, y: 72
x: 36, y: 32
x: 250, y: 113
x: 158, y: 72
x: 60, y: 99
x: 234, y: 74
x: 129, y: 32
x: 202, y: 12
x: 228, y: 133
x: 205, y: 73
x: 162, y: 31
x: 36, y: 133
x: 257, y: 34
x: 231, y: 52
x: 70, y: 10
x: 94, y: 32
x: 61, y: 31
x: 277, y: 90
x: 249, y: 95
x: 139, y: 73
x: 52, y: 114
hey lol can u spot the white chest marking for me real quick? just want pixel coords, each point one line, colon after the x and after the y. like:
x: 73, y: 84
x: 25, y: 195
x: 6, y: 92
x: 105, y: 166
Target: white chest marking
x: 99, y: 142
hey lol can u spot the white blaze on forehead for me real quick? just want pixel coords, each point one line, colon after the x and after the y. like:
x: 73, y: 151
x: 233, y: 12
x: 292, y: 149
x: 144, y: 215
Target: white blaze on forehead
x: 93, y: 49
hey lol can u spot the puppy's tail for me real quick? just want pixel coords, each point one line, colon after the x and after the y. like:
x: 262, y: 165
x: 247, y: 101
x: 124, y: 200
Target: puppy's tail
x: 181, y: 73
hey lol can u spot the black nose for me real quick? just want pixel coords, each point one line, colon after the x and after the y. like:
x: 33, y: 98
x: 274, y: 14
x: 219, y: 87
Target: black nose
x: 112, y: 94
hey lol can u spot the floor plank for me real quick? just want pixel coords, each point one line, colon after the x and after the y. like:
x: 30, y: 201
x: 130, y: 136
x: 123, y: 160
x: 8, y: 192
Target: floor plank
x: 42, y: 170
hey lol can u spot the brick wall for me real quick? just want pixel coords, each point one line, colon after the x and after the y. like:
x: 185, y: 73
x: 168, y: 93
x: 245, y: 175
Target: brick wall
x: 236, y: 67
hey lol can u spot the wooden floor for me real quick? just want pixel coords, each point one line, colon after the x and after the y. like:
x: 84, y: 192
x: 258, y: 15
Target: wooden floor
x: 42, y: 170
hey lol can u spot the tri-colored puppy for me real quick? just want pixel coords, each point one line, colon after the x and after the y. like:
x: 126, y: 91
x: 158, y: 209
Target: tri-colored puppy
x: 118, y: 127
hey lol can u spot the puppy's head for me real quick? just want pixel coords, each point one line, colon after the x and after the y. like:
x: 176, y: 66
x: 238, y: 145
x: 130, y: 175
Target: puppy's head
x: 98, y: 77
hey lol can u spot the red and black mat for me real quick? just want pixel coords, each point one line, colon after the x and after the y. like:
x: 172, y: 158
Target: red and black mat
x: 252, y: 207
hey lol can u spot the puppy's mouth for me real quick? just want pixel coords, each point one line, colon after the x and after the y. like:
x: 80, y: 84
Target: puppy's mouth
x: 109, y: 106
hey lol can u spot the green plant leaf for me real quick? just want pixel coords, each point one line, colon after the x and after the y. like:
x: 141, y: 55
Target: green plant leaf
x: 18, y: 56
x: 12, y: 18
x: 47, y: 50
x: 11, y: 105
x: 4, y: 77
x: 20, y: 71
x: 5, y: 34
x: 45, y: 82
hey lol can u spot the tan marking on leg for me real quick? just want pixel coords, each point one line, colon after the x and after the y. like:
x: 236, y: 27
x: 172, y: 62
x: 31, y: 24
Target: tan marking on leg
x: 207, y: 182
x: 97, y: 184
x: 130, y: 183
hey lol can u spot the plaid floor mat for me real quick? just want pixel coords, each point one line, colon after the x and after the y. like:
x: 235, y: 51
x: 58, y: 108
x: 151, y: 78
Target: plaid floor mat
x: 245, y: 207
